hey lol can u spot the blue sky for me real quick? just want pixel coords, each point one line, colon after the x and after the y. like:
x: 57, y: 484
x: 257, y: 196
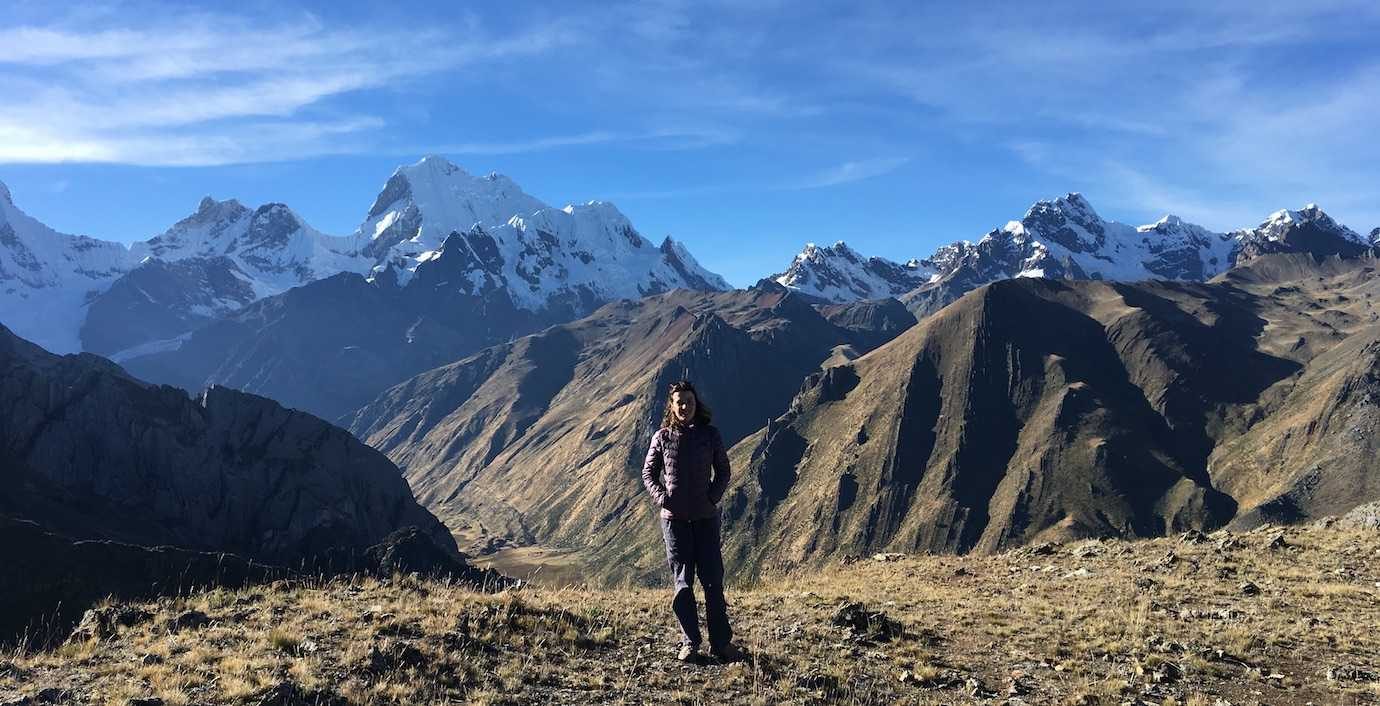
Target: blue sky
x: 744, y: 129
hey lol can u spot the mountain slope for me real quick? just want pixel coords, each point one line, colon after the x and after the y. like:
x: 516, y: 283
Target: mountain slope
x: 541, y: 441
x: 47, y: 276
x: 923, y: 630
x: 1035, y: 409
x: 92, y: 453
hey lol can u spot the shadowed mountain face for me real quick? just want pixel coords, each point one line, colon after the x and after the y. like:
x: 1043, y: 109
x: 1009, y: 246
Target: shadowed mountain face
x: 541, y: 441
x: 1035, y: 409
x: 158, y: 300
x: 331, y: 346
x: 115, y: 486
x: 92, y: 453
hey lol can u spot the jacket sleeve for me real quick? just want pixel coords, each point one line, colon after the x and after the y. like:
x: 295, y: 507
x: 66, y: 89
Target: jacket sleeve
x: 651, y: 471
x: 719, y: 485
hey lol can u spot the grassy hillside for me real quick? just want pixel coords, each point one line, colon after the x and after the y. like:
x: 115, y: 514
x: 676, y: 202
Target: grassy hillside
x: 1269, y: 616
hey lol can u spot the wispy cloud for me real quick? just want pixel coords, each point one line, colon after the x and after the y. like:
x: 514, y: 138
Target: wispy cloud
x: 666, y: 139
x: 850, y: 172
x: 212, y: 89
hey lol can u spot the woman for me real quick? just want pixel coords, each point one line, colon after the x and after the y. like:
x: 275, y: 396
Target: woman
x: 677, y: 473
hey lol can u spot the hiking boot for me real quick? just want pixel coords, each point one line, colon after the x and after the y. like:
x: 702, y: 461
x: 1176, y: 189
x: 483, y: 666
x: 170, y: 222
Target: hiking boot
x: 729, y: 653
x: 687, y: 653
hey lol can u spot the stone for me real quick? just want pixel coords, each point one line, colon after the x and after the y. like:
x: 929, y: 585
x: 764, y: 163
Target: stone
x: 855, y: 619
x: 1192, y: 536
x: 101, y: 623
x: 1352, y: 673
x: 188, y: 620
x: 1248, y: 588
x: 288, y: 693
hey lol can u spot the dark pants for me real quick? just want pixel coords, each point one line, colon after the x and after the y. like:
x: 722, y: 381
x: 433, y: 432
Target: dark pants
x: 692, y: 546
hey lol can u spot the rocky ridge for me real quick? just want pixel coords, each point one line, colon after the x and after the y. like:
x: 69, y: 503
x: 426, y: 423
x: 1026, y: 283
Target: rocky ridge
x: 90, y: 453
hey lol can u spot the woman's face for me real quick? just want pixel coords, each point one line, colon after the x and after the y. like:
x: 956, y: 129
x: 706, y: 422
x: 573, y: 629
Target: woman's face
x: 683, y: 403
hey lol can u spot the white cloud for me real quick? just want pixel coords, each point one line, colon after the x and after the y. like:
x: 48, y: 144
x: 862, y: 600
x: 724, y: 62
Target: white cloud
x: 852, y: 171
x: 212, y: 89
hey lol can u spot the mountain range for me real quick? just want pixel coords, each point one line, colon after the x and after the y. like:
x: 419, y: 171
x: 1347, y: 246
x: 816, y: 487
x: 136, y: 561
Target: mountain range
x: 1064, y: 376
x: 1065, y: 239
x: 71, y: 293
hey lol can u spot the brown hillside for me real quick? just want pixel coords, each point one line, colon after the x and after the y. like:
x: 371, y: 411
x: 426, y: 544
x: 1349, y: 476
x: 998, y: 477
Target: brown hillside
x: 1036, y: 410
x: 541, y: 441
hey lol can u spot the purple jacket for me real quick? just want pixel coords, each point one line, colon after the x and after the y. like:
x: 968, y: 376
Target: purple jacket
x: 685, y: 457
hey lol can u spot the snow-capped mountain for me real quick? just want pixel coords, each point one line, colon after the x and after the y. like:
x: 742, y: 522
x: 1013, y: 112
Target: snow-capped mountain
x: 46, y: 276
x: 112, y: 299
x: 1305, y: 230
x: 837, y: 273
x: 1066, y: 238
x: 423, y: 203
x: 213, y: 262
x: 500, y: 238
x: 271, y: 244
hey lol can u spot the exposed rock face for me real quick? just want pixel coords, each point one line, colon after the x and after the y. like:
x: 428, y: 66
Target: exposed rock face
x: 117, y: 486
x: 330, y: 347
x: 883, y: 318
x: 1307, y: 230
x: 1037, y: 410
x: 92, y: 453
x: 158, y: 301
x: 838, y: 274
x: 541, y: 440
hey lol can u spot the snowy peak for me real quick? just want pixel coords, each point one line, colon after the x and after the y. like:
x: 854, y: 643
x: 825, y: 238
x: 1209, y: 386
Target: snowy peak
x: 423, y: 203
x: 482, y: 234
x: 1069, y: 221
x: 1281, y: 221
x: 5, y: 194
x: 46, y: 277
x: 271, y: 244
x: 1307, y: 230
x: 1072, y: 206
x: 690, y: 270
x: 272, y: 225
x: 837, y: 273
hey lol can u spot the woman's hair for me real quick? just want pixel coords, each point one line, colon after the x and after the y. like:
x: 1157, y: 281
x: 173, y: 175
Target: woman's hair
x: 702, y: 413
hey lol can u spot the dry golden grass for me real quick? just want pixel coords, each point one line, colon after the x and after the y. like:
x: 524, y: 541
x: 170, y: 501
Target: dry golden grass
x: 1160, y: 622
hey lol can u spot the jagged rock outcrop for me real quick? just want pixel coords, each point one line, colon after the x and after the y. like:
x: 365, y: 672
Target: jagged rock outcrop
x: 91, y: 452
